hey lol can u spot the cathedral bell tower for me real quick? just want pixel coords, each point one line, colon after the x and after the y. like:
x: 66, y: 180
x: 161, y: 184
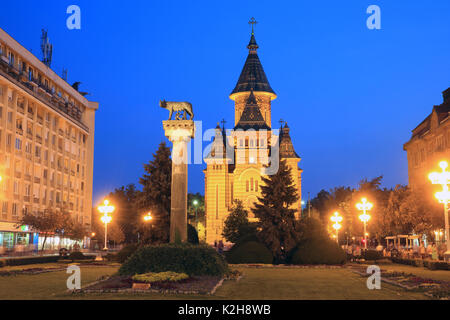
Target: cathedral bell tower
x: 253, y: 78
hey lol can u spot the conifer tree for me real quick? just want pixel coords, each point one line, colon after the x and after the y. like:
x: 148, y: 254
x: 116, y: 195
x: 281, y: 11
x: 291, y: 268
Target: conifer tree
x: 155, y: 195
x: 236, y: 225
x: 278, y: 228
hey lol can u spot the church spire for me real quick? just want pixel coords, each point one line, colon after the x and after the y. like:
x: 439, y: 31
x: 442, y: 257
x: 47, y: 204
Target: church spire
x: 252, y: 45
x: 285, y: 143
x: 252, y: 75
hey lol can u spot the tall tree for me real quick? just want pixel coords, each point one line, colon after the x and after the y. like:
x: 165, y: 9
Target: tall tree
x: 277, y: 225
x: 126, y: 213
x: 155, y: 195
x: 236, y: 224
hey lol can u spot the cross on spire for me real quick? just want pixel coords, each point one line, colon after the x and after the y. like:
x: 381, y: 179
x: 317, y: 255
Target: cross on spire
x: 252, y: 22
x: 281, y: 121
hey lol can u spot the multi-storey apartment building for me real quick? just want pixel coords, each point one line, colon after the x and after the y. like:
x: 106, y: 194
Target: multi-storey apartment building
x: 46, y: 143
x: 429, y: 144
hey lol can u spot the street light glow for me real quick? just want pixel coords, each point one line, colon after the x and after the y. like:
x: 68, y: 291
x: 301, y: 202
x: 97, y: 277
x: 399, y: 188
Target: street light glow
x: 106, y: 208
x: 364, y: 206
x: 336, y: 218
x: 148, y: 217
x: 443, y: 178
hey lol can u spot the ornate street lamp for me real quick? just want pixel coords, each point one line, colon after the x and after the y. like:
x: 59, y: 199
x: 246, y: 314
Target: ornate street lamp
x: 336, y: 218
x: 364, y: 206
x: 443, y: 178
x: 106, y: 209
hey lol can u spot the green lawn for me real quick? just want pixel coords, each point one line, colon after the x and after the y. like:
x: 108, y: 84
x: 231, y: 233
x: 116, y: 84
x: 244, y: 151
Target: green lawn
x: 261, y: 283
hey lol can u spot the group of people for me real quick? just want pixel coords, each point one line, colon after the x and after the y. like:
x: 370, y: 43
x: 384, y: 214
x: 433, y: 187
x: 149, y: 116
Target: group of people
x: 432, y: 251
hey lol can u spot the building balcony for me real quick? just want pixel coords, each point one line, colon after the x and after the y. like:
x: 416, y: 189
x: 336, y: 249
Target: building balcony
x: 18, y: 175
x: 20, y: 78
x: 26, y: 198
x: 37, y: 180
x: 36, y: 200
x: 27, y: 177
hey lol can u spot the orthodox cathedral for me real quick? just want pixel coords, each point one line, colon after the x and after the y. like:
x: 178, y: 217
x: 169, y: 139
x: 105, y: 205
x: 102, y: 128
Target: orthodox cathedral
x: 238, y: 157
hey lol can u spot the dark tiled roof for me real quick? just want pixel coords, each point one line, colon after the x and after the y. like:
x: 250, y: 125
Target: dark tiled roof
x: 252, y: 75
x: 286, y: 146
x: 442, y: 112
x: 251, y: 117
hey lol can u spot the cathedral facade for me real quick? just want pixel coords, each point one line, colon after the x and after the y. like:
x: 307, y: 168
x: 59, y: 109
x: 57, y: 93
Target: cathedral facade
x: 239, y: 157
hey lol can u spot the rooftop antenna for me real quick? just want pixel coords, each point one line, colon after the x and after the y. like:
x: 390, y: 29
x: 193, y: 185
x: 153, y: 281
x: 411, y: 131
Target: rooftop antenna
x: 64, y: 74
x: 46, y: 48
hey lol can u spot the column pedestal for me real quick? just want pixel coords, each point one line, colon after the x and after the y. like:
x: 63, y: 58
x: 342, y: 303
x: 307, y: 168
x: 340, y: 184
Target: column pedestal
x: 179, y: 132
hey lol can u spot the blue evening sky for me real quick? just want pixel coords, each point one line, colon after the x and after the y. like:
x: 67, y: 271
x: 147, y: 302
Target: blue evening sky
x: 351, y: 95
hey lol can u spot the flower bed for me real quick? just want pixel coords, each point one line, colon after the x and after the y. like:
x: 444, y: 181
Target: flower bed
x: 432, y: 288
x: 124, y: 284
x: 155, y: 277
x: 29, y: 271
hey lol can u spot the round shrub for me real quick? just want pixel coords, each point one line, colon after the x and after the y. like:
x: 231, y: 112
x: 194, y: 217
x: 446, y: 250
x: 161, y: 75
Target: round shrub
x: 318, y: 251
x: 126, y: 252
x: 192, y: 234
x: 250, y: 252
x: 194, y: 260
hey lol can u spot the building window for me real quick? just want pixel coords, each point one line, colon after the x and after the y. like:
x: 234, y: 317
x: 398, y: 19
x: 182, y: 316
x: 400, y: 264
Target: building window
x: 18, y: 144
x: 246, y: 186
x: 14, y: 211
x: 251, y: 184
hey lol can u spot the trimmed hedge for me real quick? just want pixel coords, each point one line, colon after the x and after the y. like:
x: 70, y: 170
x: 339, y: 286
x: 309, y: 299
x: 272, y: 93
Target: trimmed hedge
x: 372, y: 255
x: 430, y: 264
x: 318, y: 251
x: 249, y: 252
x: 194, y: 260
x: 30, y: 260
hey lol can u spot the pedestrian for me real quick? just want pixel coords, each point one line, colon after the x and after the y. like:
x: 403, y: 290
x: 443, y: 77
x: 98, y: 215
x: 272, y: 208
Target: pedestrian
x: 422, y: 251
x: 220, y: 247
x: 434, y: 252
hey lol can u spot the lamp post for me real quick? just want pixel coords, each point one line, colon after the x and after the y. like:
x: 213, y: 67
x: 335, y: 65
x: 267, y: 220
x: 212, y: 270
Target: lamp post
x: 336, y: 218
x: 147, y: 218
x: 443, y: 178
x: 364, y: 206
x: 106, y: 209
x: 195, y: 203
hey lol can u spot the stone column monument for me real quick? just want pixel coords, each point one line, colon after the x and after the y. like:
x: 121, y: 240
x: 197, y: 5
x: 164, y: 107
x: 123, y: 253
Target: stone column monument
x: 179, y: 132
